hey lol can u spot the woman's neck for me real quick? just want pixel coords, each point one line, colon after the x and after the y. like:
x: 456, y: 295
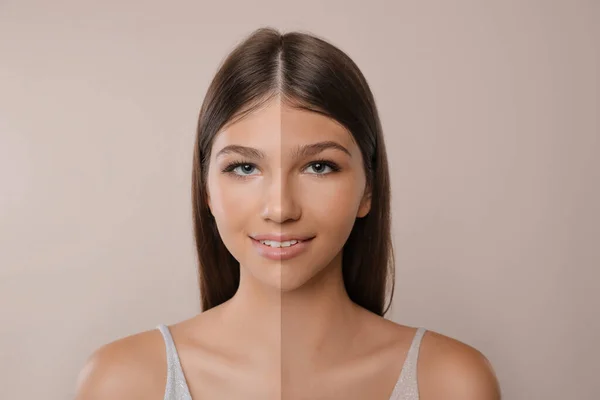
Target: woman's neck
x: 315, y: 323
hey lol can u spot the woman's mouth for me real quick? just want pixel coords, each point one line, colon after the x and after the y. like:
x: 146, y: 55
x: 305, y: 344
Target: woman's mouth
x: 275, y: 244
x: 285, y: 250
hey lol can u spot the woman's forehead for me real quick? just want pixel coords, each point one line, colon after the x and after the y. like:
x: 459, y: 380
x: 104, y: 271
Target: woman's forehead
x: 282, y: 124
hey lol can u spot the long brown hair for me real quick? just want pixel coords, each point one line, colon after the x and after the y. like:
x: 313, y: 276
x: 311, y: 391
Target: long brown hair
x: 308, y: 73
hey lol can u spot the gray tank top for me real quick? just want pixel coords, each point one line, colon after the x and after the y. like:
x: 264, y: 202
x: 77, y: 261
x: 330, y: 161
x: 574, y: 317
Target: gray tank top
x: 177, y: 389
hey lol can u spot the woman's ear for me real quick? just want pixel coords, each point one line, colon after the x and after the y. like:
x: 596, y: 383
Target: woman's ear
x: 365, y: 204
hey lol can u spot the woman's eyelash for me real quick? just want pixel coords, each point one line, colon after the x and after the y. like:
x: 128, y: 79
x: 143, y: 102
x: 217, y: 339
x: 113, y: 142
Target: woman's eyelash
x: 334, y: 167
x: 233, y: 165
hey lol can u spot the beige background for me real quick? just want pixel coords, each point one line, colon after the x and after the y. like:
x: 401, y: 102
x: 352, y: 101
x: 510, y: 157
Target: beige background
x: 490, y: 111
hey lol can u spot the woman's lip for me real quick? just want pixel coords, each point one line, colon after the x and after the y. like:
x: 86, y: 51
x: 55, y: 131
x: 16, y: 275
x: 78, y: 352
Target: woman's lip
x: 281, y: 253
x: 281, y: 237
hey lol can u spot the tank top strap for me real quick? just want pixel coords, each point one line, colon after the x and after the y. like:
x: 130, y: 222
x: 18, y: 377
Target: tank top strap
x: 176, y: 388
x: 407, y: 385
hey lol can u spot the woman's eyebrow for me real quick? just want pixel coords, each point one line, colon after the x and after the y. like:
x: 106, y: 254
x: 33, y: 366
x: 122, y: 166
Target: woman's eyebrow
x: 310, y: 150
x: 248, y: 152
x: 301, y: 151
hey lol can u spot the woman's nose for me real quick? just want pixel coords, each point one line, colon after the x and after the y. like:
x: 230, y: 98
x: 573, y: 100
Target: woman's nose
x: 280, y: 203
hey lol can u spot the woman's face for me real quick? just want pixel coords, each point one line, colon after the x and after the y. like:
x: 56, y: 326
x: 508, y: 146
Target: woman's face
x: 274, y: 188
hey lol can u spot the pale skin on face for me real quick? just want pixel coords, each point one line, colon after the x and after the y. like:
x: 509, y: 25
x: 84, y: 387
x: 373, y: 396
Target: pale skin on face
x: 295, y: 310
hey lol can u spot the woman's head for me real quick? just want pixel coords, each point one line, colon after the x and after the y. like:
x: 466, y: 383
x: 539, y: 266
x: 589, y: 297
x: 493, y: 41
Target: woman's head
x: 289, y: 142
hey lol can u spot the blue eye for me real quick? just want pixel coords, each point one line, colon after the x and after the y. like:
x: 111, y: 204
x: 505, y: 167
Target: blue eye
x: 244, y: 168
x: 322, y: 165
x: 247, y: 168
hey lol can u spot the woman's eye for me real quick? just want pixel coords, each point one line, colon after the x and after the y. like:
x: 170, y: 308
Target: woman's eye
x: 318, y: 167
x: 245, y: 168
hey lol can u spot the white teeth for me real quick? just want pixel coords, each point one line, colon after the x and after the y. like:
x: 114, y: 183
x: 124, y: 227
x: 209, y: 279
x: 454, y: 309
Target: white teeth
x: 273, y: 243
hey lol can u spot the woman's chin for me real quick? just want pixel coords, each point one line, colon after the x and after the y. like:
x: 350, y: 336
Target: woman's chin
x: 284, y: 282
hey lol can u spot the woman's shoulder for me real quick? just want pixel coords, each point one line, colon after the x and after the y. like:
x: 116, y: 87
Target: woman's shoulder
x: 451, y: 369
x: 130, y: 367
x: 447, y: 368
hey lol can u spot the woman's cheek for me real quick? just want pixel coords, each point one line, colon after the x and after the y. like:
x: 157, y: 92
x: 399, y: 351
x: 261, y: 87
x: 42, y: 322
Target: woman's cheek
x: 332, y: 208
x: 229, y: 197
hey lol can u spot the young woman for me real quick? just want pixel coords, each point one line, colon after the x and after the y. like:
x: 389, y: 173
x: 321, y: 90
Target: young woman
x: 291, y: 203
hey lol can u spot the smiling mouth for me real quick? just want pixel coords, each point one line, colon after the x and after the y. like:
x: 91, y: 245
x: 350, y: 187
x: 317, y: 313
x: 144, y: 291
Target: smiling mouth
x: 276, y: 245
x: 285, y: 250
x: 282, y: 244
